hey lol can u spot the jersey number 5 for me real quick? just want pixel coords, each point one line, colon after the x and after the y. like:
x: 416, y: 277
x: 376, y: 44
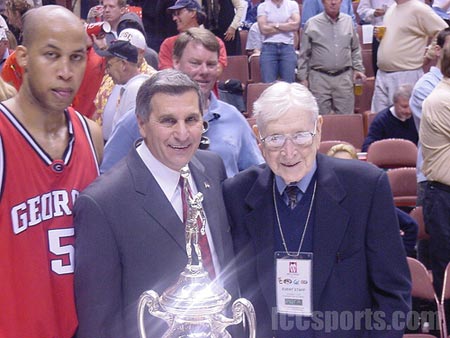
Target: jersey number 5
x: 54, y: 240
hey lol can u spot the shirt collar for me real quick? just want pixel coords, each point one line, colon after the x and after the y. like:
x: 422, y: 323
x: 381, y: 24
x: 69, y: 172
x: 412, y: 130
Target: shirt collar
x: 302, y: 184
x: 167, y: 178
x: 212, y: 109
x: 330, y: 19
x: 392, y: 110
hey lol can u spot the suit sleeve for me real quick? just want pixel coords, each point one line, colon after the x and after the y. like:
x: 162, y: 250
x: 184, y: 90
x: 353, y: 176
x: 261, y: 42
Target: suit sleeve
x: 97, y: 273
x: 387, y: 267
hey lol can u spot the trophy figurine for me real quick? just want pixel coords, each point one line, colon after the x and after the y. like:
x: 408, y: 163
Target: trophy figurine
x: 194, y: 307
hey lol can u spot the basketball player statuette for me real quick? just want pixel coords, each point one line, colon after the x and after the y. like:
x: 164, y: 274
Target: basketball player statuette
x: 195, y: 305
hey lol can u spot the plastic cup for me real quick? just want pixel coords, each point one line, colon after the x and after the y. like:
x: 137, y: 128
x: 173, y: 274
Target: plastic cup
x: 379, y: 32
x: 98, y: 28
x: 358, y: 87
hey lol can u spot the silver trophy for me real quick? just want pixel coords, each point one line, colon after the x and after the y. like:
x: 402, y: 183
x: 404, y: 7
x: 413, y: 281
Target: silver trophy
x: 194, y: 307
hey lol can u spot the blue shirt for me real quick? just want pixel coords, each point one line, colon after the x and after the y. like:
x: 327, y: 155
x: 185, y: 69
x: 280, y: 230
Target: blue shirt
x: 311, y: 8
x: 423, y: 87
x: 303, y: 184
x: 230, y: 136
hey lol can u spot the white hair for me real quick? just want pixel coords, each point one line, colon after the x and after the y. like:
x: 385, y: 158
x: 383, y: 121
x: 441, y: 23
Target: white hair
x: 280, y: 97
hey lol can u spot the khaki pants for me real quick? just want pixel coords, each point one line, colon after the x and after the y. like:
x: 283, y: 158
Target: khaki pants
x: 333, y: 93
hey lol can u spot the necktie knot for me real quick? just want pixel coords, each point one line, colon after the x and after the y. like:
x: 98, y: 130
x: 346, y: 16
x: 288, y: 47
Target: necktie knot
x: 292, y: 193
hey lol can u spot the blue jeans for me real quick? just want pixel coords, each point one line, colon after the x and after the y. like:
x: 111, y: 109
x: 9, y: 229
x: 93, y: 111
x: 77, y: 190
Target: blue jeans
x: 277, y: 60
x: 436, y: 214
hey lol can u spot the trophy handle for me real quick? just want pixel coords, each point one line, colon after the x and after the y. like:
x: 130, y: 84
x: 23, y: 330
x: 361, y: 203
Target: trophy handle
x: 242, y: 307
x: 150, y: 299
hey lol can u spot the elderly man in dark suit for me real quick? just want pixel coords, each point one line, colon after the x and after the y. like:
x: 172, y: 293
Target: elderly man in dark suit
x: 129, y: 223
x: 316, y: 237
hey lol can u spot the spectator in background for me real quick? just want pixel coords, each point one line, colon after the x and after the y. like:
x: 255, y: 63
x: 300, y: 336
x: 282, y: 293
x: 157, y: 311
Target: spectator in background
x: 408, y: 226
x: 15, y: 9
x: 132, y: 20
x: 254, y: 41
x: 228, y: 15
x: 330, y: 59
x: 311, y: 8
x: 434, y: 135
x: 107, y: 97
x: 4, y: 47
x: 395, y: 121
x: 157, y: 21
x: 372, y: 12
x: 112, y: 13
x: 409, y: 26
x: 95, y: 13
x: 423, y: 87
x: 2, y: 11
x: 83, y: 101
x: 122, y: 66
x: 186, y: 14
x: 343, y: 150
x: 278, y: 21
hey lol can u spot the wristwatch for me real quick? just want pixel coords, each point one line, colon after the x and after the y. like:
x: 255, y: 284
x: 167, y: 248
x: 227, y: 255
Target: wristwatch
x: 277, y: 25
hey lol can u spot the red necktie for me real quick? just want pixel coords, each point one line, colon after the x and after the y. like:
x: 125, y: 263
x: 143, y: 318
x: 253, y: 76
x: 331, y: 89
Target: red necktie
x: 202, y: 239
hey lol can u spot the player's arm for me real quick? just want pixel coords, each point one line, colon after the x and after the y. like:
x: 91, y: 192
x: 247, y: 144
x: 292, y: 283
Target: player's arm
x: 97, y: 138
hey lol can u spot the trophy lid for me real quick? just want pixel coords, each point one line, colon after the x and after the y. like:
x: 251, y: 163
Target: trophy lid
x: 194, y: 295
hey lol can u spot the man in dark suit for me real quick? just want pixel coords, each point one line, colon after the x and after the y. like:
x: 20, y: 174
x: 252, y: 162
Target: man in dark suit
x: 129, y: 231
x: 325, y: 260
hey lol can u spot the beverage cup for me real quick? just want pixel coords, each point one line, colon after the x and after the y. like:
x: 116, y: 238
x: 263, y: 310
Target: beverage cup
x: 379, y: 32
x: 98, y: 28
x: 358, y: 87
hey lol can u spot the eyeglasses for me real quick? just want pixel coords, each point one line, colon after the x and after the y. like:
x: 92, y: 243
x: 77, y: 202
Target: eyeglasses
x: 109, y: 64
x: 301, y: 138
x: 178, y: 12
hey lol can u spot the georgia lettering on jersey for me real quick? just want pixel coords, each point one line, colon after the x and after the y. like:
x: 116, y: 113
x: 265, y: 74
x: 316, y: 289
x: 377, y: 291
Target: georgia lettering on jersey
x: 41, y: 208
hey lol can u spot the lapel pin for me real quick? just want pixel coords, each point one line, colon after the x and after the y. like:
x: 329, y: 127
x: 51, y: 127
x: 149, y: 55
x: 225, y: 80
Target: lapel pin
x: 206, y: 184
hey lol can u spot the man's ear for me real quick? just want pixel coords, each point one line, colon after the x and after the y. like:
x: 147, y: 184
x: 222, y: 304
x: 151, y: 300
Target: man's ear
x: 255, y: 131
x: 176, y: 63
x: 141, y: 124
x: 22, y: 56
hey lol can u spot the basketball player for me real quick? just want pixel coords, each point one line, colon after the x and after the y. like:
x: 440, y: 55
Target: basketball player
x: 48, y: 154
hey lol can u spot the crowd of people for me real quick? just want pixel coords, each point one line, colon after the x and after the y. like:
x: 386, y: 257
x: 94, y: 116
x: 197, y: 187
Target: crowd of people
x: 101, y: 113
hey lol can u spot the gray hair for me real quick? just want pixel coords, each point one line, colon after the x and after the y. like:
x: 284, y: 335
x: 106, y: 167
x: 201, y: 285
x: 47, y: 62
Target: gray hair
x: 167, y: 81
x: 404, y: 91
x: 280, y: 97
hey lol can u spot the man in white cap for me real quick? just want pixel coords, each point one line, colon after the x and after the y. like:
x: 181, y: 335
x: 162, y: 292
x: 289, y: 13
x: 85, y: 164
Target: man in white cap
x: 110, y: 90
x: 122, y: 66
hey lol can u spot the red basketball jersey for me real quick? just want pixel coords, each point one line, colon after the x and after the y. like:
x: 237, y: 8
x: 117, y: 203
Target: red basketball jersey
x: 36, y: 230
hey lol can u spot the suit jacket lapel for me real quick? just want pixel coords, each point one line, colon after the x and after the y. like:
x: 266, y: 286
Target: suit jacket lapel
x: 162, y: 211
x: 260, y: 225
x: 331, y: 222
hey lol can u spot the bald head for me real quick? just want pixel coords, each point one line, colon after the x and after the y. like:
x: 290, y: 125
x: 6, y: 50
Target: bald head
x: 58, y: 19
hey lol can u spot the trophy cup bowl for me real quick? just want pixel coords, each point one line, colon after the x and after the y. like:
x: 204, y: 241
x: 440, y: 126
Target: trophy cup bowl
x: 194, y: 307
